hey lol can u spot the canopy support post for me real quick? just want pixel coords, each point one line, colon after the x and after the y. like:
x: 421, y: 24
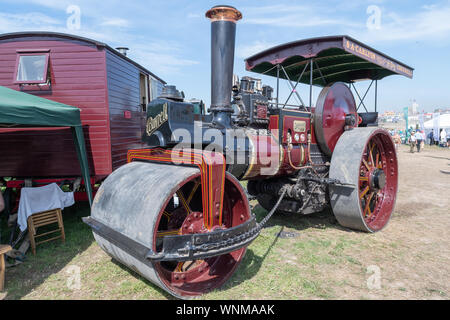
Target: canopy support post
x: 292, y: 87
x: 320, y: 72
x: 78, y: 137
x: 362, y: 100
x: 376, y: 94
x: 298, y: 81
x: 278, y: 84
x: 311, y: 69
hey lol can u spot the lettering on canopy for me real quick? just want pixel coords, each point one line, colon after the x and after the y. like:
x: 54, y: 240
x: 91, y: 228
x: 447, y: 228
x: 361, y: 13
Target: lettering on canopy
x: 376, y: 58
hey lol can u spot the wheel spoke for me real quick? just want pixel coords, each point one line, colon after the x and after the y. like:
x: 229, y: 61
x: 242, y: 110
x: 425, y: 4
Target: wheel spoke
x: 371, y: 212
x: 184, y: 266
x: 188, y: 201
x: 167, y: 215
x: 371, y: 155
x: 366, y: 189
x: 164, y: 233
x: 183, y: 201
x: 366, y: 164
x: 179, y: 267
x: 367, y: 208
x: 377, y: 158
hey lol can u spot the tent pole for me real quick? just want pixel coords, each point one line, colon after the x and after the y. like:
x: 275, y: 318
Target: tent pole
x: 80, y: 146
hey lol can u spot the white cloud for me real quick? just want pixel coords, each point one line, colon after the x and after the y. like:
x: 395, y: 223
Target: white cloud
x: 115, y: 22
x: 432, y: 23
x: 245, y: 51
x: 32, y: 20
x: 294, y: 16
x: 194, y: 15
x: 160, y: 56
x: 55, y: 4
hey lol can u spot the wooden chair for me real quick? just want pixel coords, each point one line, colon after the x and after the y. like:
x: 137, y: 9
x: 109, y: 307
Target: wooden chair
x: 3, y: 249
x: 42, y: 219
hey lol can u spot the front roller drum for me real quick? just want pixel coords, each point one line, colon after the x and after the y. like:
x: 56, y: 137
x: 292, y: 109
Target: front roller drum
x: 365, y: 159
x: 147, y: 202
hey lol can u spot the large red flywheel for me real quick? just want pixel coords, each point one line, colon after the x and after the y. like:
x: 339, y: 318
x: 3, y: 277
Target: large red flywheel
x: 334, y: 105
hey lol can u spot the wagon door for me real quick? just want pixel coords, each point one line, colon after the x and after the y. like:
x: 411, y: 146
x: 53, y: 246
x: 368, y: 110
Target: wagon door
x: 144, y: 90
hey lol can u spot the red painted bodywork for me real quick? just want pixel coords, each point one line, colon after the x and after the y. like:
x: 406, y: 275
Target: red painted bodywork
x: 280, y: 128
x: 212, y: 170
x: 85, y: 74
x: 269, y: 156
x: 265, y: 156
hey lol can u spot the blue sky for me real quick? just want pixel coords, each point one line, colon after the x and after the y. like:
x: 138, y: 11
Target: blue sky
x: 172, y: 38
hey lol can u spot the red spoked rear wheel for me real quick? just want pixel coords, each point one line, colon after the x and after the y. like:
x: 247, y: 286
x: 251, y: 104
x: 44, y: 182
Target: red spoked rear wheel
x: 366, y: 159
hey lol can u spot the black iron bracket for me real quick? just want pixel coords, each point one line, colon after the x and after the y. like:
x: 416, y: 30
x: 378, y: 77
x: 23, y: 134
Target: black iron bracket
x: 205, y: 245
x: 182, y: 247
x: 327, y: 181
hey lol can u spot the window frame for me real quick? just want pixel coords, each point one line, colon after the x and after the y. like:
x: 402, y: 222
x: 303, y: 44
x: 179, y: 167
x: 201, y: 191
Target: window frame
x: 34, y: 52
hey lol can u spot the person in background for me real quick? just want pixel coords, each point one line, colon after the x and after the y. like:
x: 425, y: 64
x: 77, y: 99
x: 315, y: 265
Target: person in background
x: 443, y: 138
x: 431, y: 137
x: 424, y: 139
x: 412, y: 141
x: 419, y: 139
x: 397, y: 140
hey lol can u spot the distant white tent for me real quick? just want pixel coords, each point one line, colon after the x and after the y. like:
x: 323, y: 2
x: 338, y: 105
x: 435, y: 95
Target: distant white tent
x: 444, y: 122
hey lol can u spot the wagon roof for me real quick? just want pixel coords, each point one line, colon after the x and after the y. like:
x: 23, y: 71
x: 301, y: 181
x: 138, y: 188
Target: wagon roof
x: 337, y: 58
x: 50, y: 34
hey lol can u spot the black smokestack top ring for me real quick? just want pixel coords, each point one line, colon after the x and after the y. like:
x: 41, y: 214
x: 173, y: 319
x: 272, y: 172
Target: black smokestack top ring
x: 223, y: 34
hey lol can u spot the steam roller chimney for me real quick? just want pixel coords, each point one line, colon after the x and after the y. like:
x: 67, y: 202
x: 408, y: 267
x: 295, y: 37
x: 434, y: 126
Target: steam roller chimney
x: 223, y: 35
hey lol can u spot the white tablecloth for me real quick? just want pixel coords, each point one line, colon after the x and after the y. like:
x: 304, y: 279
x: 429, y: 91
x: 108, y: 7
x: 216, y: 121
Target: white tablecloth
x: 33, y: 200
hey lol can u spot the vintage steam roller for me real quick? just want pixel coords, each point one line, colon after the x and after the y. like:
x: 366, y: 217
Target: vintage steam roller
x: 177, y: 214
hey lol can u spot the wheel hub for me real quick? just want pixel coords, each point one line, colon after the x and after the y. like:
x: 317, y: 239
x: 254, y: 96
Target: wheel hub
x: 193, y: 224
x: 377, y: 179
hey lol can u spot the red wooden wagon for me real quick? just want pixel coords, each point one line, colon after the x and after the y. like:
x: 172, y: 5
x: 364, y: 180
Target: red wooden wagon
x: 111, y: 90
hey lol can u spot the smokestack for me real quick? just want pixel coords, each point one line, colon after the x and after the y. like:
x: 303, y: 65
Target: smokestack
x: 223, y: 34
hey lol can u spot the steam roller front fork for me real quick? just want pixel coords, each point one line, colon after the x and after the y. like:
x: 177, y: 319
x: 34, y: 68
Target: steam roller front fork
x: 181, y: 221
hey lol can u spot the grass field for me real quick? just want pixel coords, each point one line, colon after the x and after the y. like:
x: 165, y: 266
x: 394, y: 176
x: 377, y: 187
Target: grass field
x: 410, y: 256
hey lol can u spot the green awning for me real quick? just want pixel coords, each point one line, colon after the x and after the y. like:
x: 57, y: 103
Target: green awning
x: 19, y: 109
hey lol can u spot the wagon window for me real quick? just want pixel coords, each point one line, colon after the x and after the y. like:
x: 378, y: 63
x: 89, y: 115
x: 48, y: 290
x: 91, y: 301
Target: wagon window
x: 32, y: 68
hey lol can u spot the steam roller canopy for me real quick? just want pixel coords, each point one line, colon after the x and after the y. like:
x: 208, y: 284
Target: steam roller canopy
x: 146, y: 202
x: 365, y: 160
x: 334, y: 105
